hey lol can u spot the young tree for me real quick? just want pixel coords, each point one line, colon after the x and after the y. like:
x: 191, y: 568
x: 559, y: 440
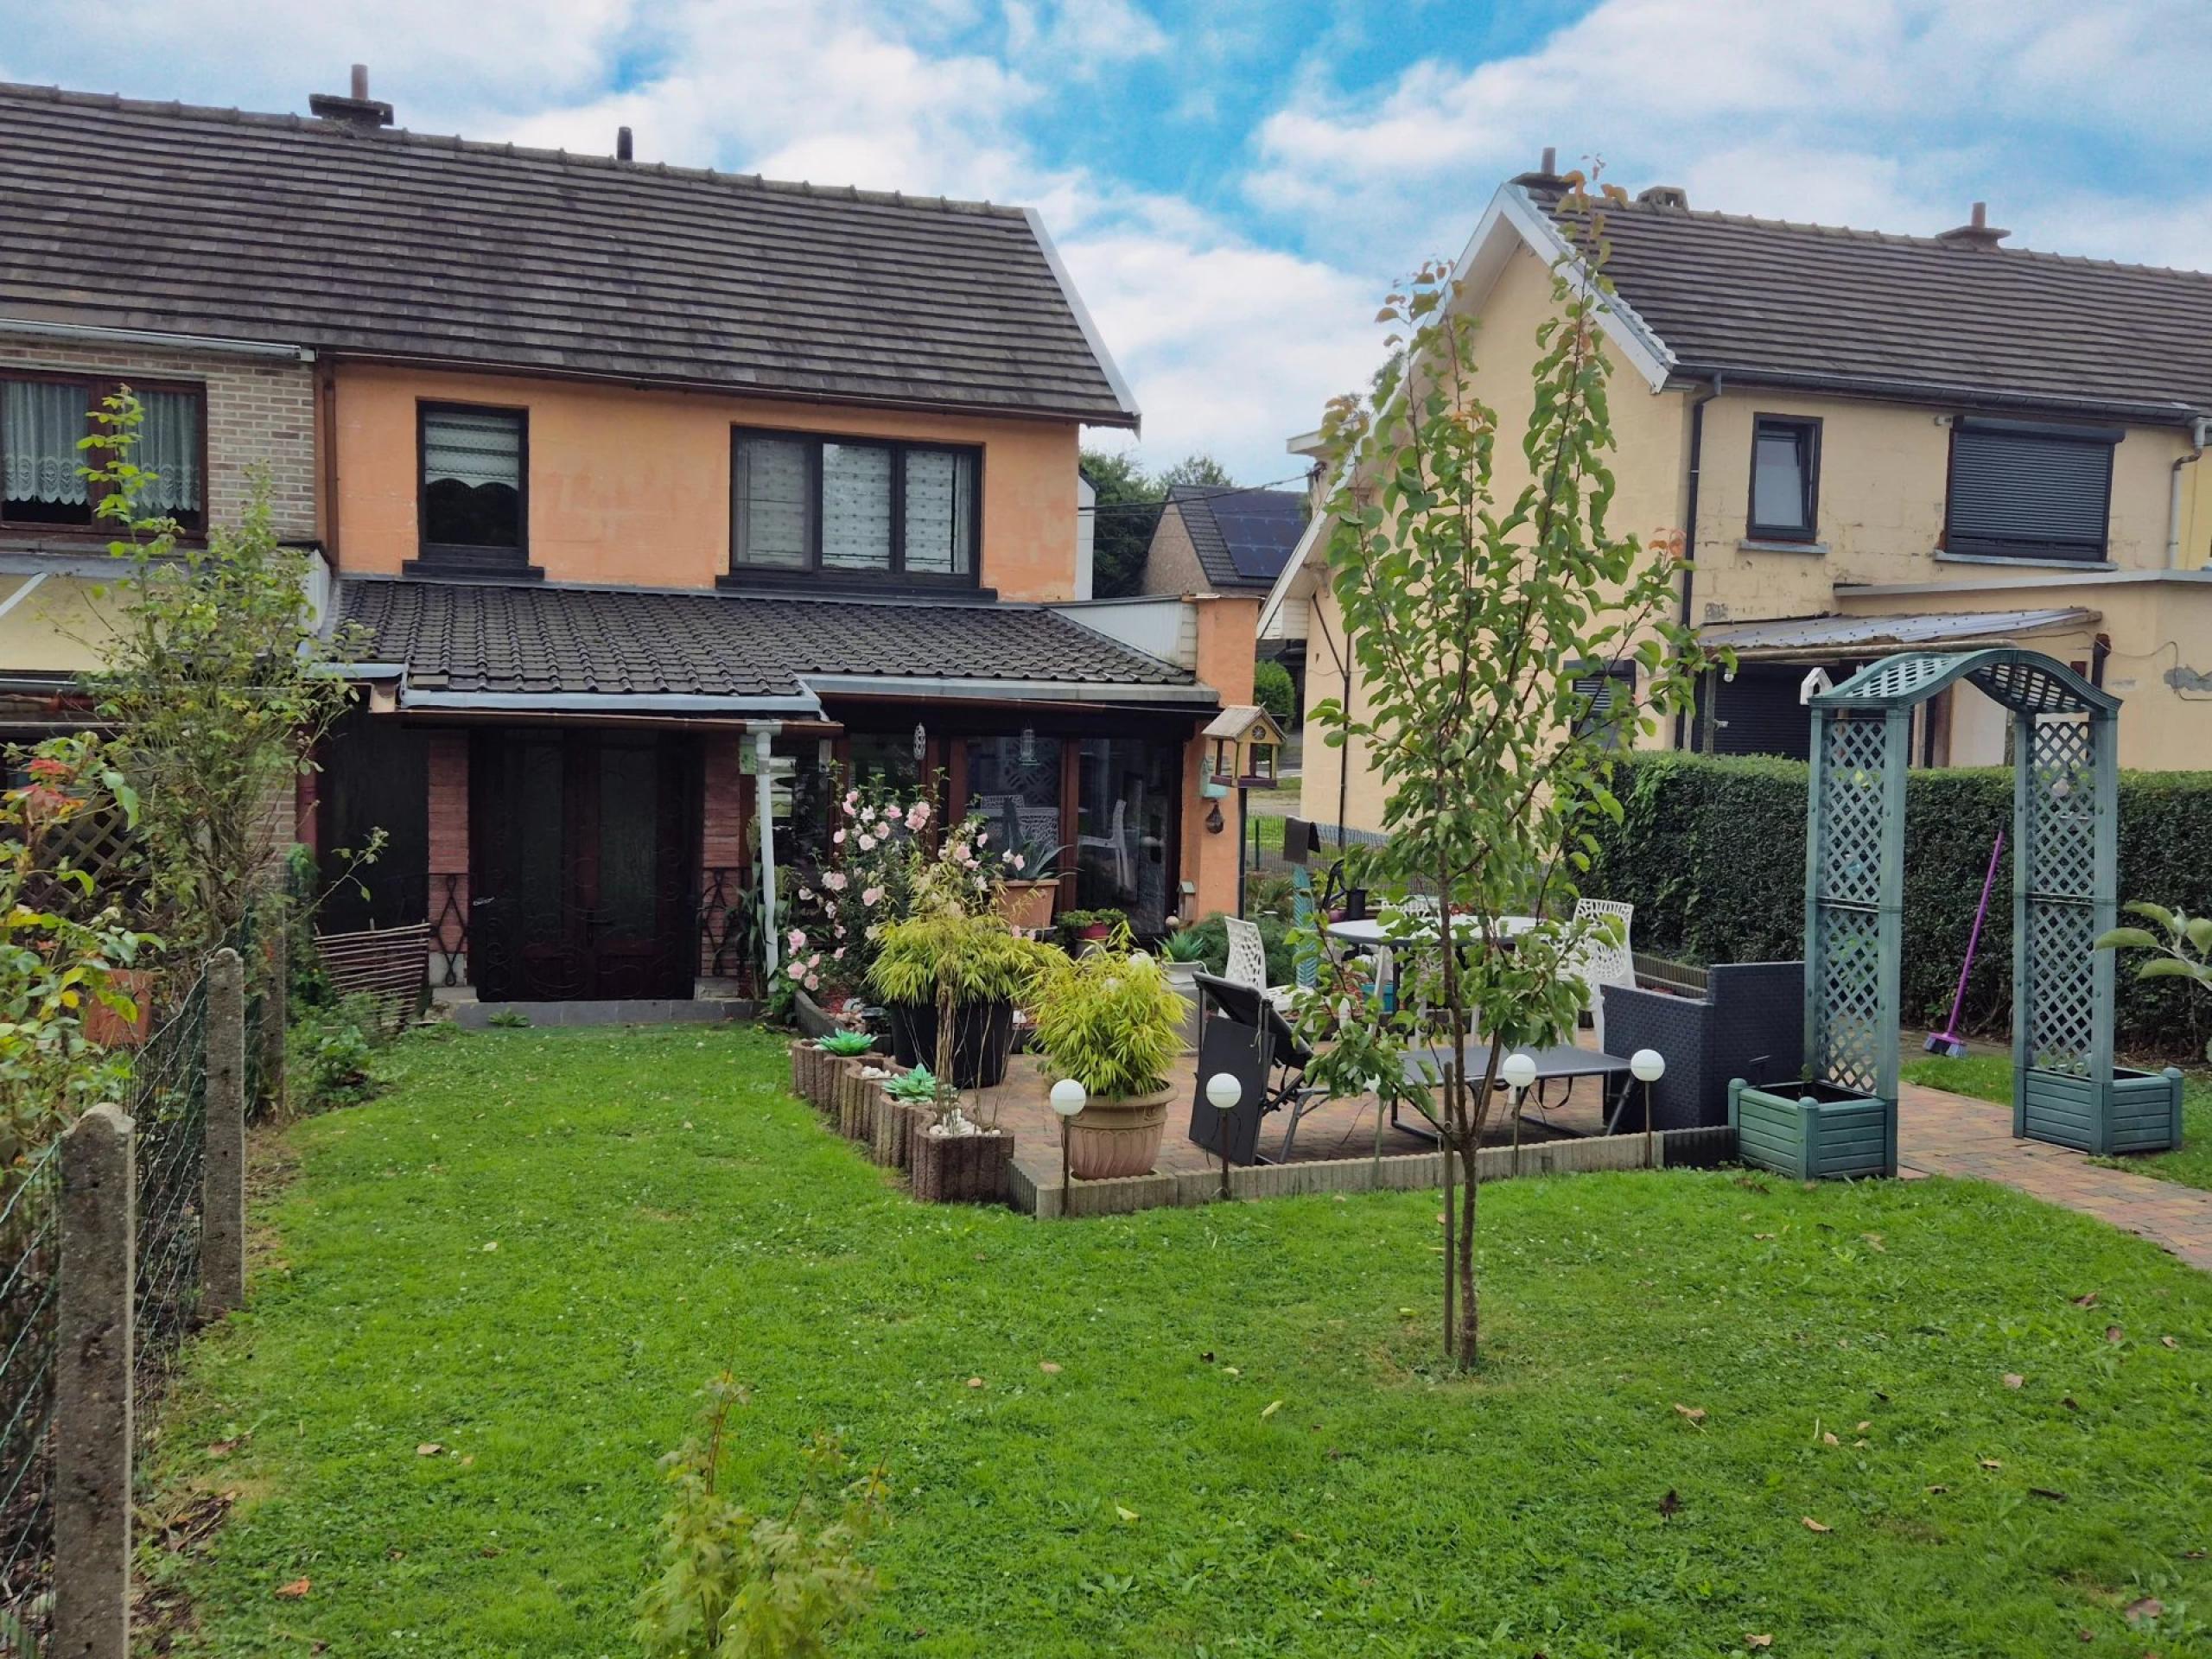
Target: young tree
x: 220, y: 686
x: 1470, y: 619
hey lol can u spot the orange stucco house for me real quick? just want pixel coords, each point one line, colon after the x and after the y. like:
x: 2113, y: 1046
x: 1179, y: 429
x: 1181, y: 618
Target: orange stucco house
x: 666, y: 502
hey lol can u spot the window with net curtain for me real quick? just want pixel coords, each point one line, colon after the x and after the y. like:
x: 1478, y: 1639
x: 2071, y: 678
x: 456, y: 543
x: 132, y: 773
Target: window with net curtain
x: 849, y: 507
x: 473, y: 479
x: 41, y: 423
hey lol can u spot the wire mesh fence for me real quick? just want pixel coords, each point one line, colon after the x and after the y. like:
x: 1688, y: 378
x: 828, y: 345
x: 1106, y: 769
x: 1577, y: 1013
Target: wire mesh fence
x: 168, y: 1105
x: 29, y: 1283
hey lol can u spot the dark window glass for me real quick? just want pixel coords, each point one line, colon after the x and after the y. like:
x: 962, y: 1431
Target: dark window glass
x: 885, y: 760
x: 41, y: 423
x: 1124, y: 800
x: 1612, y: 709
x: 853, y: 507
x: 1785, y: 474
x: 1014, y: 785
x: 2019, y: 492
x: 473, y: 478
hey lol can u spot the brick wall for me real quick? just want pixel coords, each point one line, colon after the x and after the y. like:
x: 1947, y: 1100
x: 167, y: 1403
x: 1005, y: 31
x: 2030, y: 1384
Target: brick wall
x: 260, y: 414
x: 448, y: 815
x: 724, y: 802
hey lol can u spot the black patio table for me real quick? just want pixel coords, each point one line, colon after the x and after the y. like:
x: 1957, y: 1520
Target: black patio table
x: 1561, y: 1063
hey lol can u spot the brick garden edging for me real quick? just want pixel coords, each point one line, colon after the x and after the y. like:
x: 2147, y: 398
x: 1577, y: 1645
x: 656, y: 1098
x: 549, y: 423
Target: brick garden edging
x: 962, y: 1169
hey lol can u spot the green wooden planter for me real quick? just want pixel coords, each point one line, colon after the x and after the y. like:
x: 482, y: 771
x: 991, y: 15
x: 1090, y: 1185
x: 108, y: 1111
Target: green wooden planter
x: 2137, y: 1111
x: 1816, y: 1132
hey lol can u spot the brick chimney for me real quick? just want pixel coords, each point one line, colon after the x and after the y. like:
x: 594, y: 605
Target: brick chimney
x: 1976, y: 233
x: 356, y: 110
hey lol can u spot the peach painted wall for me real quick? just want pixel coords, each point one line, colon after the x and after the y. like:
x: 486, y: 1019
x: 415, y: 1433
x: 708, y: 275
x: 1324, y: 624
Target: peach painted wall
x: 632, y: 485
x: 1227, y: 627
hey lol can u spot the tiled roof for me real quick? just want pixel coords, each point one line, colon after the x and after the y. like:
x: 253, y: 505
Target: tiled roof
x: 1769, y: 299
x: 1243, y: 537
x: 532, y: 638
x: 304, y: 232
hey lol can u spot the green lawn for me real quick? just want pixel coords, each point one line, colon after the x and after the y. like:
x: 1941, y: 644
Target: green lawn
x: 661, y: 1208
x: 1989, y: 1077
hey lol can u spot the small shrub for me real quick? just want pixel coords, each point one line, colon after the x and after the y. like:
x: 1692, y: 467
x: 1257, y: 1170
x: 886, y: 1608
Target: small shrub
x: 508, y: 1019
x: 328, y: 1053
x: 1273, y: 690
x: 740, y: 1583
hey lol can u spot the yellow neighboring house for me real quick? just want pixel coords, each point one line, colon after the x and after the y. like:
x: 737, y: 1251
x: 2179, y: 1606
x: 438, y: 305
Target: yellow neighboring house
x: 1877, y: 442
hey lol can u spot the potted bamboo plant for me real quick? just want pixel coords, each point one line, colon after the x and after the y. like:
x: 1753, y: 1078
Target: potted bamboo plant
x: 944, y: 969
x: 1112, y: 1022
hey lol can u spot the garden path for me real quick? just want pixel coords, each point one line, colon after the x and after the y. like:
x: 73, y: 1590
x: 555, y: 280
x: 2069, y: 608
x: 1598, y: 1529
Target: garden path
x: 1942, y: 1133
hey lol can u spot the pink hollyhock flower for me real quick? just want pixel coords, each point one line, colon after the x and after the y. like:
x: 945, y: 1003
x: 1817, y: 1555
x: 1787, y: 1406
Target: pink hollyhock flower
x: 838, y: 839
x: 814, y: 982
x: 872, y: 897
x: 867, y: 844
x: 806, y: 895
x: 917, y: 814
x: 891, y: 813
x: 835, y: 880
x: 851, y: 797
x: 1018, y: 861
x: 797, y: 939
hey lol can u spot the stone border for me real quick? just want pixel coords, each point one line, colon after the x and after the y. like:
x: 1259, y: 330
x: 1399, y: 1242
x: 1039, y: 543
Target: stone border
x: 1403, y: 1171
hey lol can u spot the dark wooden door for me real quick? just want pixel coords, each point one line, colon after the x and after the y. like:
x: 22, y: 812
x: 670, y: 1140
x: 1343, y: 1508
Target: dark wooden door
x: 584, y: 878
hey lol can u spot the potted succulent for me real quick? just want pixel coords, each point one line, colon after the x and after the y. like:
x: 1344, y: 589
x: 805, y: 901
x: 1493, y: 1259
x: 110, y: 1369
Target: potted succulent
x: 1183, y: 958
x: 967, y: 972
x: 1031, y: 887
x: 1111, y: 1021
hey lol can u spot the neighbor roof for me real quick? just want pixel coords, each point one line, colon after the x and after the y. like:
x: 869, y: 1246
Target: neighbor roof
x: 168, y: 219
x: 1785, y: 303
x: 564, y: 640
x: 1243, y: 537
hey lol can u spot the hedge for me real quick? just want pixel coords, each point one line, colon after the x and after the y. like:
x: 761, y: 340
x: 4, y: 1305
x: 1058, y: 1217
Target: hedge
x: 1711, y: 852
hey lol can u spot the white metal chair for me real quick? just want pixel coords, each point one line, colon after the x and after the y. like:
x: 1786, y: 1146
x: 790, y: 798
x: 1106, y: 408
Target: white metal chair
x: 1247, y: 962
x: 1605, y: 958
x: 1117, y: 845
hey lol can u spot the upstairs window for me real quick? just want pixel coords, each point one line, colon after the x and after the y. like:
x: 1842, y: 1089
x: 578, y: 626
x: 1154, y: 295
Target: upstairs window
x: 475, y: 486
x: 41, y: 419
x: 2024, y: 491
x: 1785, y: 479
x: 852, y: 508
x: 1610, y: 714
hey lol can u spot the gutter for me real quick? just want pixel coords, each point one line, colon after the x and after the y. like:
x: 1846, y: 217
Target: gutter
x: 1689, y: 512
x: 1950, y: 392
x: 982, y: 691
x: 604, y: 702
x: 88, y: 333
x: 2196, y: 434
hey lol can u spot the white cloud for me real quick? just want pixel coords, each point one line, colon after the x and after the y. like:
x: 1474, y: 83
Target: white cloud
x: 1891, y: 115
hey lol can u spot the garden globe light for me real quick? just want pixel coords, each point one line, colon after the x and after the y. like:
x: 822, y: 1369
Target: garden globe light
x: 1068, y: 1097
x: 1519, y: 1070
x: 1647, y: 1066
x: 1224, y: 1092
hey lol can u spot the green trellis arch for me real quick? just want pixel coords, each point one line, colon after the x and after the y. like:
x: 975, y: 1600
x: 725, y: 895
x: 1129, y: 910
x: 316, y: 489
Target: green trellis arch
x: 2065, y: 851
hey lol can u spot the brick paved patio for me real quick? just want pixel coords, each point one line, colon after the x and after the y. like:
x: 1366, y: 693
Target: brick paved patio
x: 1940, y: 1133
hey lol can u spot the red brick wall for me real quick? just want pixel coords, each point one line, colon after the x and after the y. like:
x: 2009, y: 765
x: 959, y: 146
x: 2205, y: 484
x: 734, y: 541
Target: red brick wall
x: 448, y: 828
x: 724, y: 805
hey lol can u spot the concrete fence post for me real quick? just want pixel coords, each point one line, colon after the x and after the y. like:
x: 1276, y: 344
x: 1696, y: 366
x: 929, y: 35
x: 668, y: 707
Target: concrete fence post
x: 91, y: 1390
x: 275, y: 1010
x: 222, y: 1170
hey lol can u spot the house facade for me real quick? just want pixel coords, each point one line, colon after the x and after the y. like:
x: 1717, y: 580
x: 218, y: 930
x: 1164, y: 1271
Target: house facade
x: 664, y: 506
x: 1874, y: 442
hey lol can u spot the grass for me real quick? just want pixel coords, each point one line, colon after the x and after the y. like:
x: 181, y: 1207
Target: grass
x: 1989, y: 1077
x: 661, y: 1208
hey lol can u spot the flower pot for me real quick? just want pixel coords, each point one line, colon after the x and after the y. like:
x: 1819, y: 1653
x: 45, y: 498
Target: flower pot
x: 982, y: 1036
x: 960, y: 1168
x: 1098, y: 932
x: 1813, y: 1131
x: 1028, y: 905
x: 1109, y: 1138
x: 1184, y: 976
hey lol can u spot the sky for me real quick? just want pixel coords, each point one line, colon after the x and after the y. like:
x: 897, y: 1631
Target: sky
x: 1234, y: 184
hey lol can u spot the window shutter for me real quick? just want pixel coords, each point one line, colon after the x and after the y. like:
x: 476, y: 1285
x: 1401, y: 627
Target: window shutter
x: 772, y: 503
x: 856, y: 506
x: 2015, y: 492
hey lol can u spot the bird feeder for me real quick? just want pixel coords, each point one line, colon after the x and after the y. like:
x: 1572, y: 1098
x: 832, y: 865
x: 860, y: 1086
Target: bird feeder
x: 1242, y: 744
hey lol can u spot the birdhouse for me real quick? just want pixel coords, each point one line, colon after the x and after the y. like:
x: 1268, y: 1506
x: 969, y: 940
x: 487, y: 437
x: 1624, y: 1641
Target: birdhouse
x: 1243, y: 743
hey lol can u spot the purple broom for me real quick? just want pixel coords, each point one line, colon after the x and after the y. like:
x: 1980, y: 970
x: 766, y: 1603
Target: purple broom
x: 1947, y: 1040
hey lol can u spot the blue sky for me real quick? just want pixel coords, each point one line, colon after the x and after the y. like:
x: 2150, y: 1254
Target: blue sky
x: 1234, y: 184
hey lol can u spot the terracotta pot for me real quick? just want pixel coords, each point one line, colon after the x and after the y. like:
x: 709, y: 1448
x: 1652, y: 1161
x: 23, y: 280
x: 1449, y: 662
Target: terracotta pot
x: 961, y: 1168
x: 1028, y: 905
x: 1110, y: 1138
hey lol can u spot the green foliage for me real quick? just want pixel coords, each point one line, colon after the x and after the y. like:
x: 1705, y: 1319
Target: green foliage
x: 739, y: 1584
x: 1128, y: 511
x: 973, y: 959
x: 62, y: 946
x: 846, y: 1044
x: 219, y: 678
x: 918, y: 1086
x: 1274, y: 689
x: 1212, y: 938
x: 1711, y: 850
x: 1111, y: 1021
x: 2182, y: 946
x: 664, y: 1208
x: 508, y: 1019
x: 1471, y: 609
x: 1188, y: 944
x: 329, y: 1050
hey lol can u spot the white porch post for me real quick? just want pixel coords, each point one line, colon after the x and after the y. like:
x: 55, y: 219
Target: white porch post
x: 764, y: 804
